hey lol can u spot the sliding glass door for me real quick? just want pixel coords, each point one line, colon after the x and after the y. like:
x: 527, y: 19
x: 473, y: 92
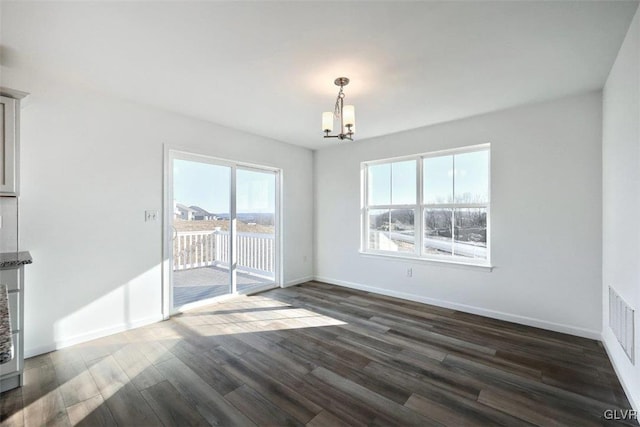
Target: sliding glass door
x: 256, y: 228
x: 223, y: 228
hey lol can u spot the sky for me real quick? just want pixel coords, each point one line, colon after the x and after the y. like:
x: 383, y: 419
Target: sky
x: 465, y: 175
x: 208, y: 186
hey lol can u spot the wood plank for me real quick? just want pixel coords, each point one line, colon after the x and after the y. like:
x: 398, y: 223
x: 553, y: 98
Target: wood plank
x: 91, y: 412
x: 40, y: 360
x: 205, y: 367
x: 316, y: 391
x: 260, y: 410
x: 339, y: 402
x: 526, y: 409
x: 108, y: 376
x: 439, y: 412
x: 326, y: 419
x: 425, y: 380
x: 207, y: 401
x: 146, y: 343
x: 128, y: 407
x: 75, y: 382
x: 386, y: 408
x: 66, y: 355
x: 11, y: 405
x: 42, y: 399
x: 540, y: 392
x: 138, y: 368
x: 171, y: 407
x: 123, y: 399
x: 285, y: 397
x: 102, y: 347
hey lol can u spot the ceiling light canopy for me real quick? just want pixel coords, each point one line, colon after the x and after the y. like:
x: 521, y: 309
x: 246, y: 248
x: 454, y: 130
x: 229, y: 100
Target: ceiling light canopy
x: 344, y: 113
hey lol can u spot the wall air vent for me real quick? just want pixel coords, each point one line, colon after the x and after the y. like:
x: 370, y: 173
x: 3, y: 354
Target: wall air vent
x: 621, y: 322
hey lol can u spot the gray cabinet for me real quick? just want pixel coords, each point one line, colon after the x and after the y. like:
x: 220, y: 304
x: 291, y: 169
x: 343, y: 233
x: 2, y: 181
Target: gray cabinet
x: 10, y: 141
x: 9, y: 146
x: 11, y: 373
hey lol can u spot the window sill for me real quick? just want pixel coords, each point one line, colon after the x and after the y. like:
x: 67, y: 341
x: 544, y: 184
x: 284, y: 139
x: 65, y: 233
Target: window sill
x: 433, y: 261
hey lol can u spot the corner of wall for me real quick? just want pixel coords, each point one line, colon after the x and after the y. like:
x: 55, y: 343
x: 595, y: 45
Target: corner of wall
x: 314, y: 201
x: 610, y: 345
x: 620, y: 203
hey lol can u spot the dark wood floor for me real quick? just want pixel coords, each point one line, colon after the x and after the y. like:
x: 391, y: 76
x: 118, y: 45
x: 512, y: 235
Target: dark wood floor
x: 321, y: 355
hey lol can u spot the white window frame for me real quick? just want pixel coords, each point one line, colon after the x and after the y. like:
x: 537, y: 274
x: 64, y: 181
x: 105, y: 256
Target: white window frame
x: 419, y: 208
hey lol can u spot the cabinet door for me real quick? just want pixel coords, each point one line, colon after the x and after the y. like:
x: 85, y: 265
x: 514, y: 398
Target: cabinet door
x: 14, y: 364
x: 8, y: 146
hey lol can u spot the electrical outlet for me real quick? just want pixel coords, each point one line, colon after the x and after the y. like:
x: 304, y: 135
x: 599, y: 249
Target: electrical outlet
x: 150, y: 216
x: 409, y: 272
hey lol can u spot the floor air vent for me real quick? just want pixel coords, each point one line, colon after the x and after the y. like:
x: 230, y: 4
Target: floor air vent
x: 621, y: 322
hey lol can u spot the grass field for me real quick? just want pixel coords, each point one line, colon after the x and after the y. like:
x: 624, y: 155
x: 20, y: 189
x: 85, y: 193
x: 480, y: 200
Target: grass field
x: 182, y: 225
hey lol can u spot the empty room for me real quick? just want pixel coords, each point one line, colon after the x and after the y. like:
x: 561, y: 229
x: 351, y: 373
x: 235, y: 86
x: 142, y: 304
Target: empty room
x: 320, y: 213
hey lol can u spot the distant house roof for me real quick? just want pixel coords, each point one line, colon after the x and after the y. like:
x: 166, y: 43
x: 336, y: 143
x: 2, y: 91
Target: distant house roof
x: 199, y: 210
x: 184, y: 208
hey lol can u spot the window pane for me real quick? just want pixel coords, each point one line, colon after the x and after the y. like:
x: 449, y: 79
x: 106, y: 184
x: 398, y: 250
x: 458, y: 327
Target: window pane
x: 472, y: 177
x: 470, y: 233
x: 438, y: 179
x: 403, y: 183
x: 437, y: 231
x: 379, y: 181
x: 392, y: 230
x: 402, y: 231
x: 378, y: 225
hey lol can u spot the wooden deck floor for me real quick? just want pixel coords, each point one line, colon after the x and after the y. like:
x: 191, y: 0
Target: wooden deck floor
x: 196, y: 284
x: 321, y: 355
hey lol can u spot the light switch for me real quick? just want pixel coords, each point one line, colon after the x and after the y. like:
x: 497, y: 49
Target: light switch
x: 150, y: 216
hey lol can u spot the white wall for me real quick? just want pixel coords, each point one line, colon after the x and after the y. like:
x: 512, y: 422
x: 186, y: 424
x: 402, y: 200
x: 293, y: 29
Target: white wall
x: 8, y: 224
x: 621, y: 199
x: 545, y: 217
x: 91, y: 165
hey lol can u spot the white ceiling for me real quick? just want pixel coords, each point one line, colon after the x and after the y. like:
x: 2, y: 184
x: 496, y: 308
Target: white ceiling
x: 268, y: 67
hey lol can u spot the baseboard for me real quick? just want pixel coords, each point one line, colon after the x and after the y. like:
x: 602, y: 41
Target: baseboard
x: 92, y: 335
x: 625, y: 386
x: 509, y: 317
x: 41, y: 349
x: 298, y: 281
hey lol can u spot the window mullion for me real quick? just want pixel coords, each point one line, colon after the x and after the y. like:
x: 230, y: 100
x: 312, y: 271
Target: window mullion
x: 453, y: 232
x: 453, y: 192
x: 392, y: 206
x: 364, y: 241
x: 455, y: 205
x: 453, y: 224
x: 391, y: 184
x: 453, y: 179
x: 419, y: 216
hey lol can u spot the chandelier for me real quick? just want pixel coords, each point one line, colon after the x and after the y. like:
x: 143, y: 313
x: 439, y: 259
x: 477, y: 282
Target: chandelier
x: 344, y: 113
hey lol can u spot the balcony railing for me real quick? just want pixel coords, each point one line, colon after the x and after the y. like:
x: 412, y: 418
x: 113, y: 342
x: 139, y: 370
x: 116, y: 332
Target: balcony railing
x: 193, y: 249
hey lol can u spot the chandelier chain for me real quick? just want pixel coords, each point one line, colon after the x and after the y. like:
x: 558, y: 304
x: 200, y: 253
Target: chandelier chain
x: 337, y: 111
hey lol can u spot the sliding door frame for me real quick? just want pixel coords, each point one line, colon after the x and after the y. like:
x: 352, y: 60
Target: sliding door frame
x: 174, y: 153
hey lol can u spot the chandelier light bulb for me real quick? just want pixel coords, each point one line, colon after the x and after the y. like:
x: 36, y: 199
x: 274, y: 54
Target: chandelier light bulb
x: 349, y: 115
x: 327, y: 121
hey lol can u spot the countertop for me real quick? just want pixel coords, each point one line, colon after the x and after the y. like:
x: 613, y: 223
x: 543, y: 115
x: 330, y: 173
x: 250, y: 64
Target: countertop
x: 14, y: 259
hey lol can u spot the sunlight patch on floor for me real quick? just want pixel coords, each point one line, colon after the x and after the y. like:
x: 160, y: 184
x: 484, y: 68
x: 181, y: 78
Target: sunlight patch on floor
x: 139, y: 350
x: 251, y: 315
x: 117, y: 360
